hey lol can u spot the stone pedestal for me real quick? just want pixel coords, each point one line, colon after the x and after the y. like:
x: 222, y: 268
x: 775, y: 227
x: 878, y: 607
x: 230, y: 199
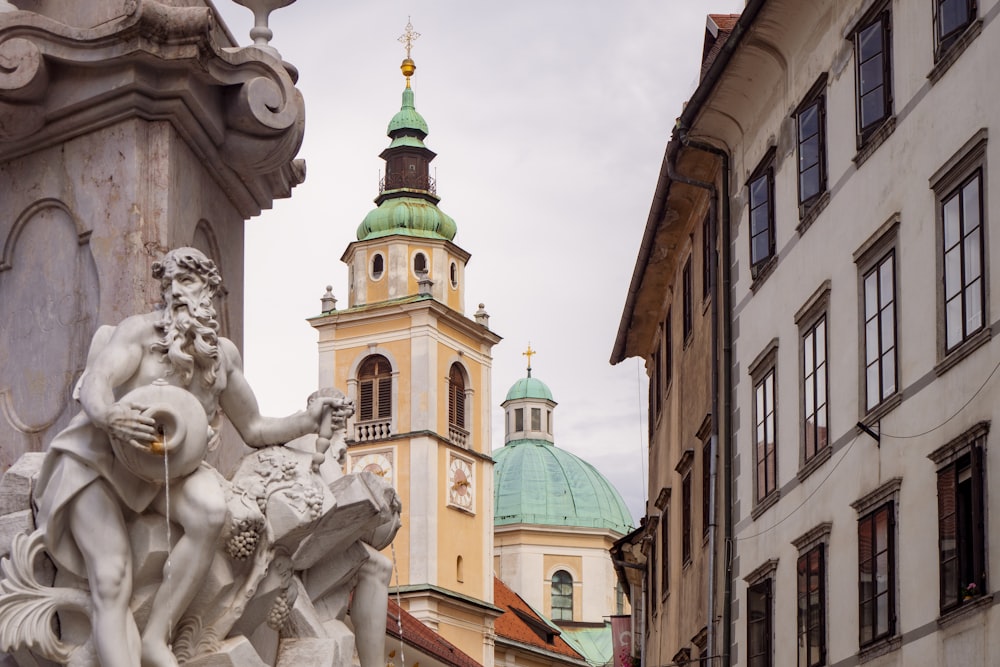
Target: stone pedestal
x: 127, y: 127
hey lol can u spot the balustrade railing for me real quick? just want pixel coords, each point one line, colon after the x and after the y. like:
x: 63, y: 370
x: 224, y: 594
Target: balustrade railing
x: 372, y: 430
x: 458, y: 435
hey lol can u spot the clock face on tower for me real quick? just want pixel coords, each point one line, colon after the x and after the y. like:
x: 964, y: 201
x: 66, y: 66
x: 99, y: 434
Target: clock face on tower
x: 378, y: 463
x: 461, y: 484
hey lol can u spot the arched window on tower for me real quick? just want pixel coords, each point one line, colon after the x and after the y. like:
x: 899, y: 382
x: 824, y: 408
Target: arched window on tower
x: 456, y: 406
x: 562, y: 596
x: 375, y: 389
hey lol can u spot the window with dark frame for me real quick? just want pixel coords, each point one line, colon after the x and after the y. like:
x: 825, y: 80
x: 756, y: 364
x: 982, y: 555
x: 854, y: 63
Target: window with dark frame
x: 668, y: 352
x: 764, y: 435
x: 879, y: 287
x: 518, y: 419
x: 876, y: 575
x: 951, y: 18
x: 811, y: 569
x: 759, y: 622
x: 961, y: 528
x: 664, y: 552
x: 456, y: 396
x: 562, y: 596
x: 375, y: 389
x: 419, y: 263
x: 706, y: 467
x: 378, y: 266
x: 815, y: 385
x: 686, y: 518
x: 872, y: 53
x: 810, y: 126
x: 707, y: 241
x: 963, y: 261
x: 688, y: 287
x: 761, y: 188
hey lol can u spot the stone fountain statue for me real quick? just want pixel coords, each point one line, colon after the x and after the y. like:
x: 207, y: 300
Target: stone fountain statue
x: 159, y: 560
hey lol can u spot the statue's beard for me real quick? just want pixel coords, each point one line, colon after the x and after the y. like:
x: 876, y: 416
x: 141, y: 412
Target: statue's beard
x: 190, y: 338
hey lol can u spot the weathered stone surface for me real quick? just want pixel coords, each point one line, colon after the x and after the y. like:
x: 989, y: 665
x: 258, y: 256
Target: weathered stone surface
x: 354, y: 515
x: 18, y: 482
x: 330, y: 573
x: 13, y: 524
x: 234, y: 652
x: 323, y: 652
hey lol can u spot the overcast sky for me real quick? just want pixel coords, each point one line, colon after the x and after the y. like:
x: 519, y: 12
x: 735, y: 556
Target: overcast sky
x: 549, y: 118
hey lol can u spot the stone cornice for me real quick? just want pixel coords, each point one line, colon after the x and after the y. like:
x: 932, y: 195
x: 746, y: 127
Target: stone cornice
x: 236, y: 108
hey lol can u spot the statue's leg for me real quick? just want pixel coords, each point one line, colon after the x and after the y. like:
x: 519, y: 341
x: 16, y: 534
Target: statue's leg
x: 368, y: 607
x: 98, y: 528
x: 199, y: 506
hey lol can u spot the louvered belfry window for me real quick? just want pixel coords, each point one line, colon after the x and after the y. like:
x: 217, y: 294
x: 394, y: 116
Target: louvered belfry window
x: 375, y: 380
x: 456, y: 396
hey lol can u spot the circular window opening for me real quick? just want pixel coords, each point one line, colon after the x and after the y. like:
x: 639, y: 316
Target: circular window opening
x: 420, y: 263
x: 454, y: 274
x: 378, y: 266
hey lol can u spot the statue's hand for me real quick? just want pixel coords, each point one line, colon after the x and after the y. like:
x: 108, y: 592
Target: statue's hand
x: 125, y: 422
x: 336, y: 409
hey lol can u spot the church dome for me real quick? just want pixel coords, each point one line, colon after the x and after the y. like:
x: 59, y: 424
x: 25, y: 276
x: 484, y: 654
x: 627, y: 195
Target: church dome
x: 407, y: 118
x: 529, y: 387
x: 536, y: 482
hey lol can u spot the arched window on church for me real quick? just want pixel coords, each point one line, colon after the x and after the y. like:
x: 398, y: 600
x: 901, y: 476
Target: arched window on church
x: 562, y: 596
x: 375, y: 389
x: 456, y: 396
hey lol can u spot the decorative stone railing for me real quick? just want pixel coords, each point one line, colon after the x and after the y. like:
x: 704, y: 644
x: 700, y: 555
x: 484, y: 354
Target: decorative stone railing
x: 458, y: 435
x: 372, y: 430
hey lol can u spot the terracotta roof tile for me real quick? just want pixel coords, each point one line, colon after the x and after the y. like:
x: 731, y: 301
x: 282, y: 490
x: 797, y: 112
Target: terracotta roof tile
x: 512, y: 624
x: 421, y: 637
x: 714, y: 43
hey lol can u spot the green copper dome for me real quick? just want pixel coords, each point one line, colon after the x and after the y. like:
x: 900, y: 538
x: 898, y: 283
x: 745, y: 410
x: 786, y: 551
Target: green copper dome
x: 409, y: 216
x: 407, y: 117
x: 529, y: 387
x: 535, y: 482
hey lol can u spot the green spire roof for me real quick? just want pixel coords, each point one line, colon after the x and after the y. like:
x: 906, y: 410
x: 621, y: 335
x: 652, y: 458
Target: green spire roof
x: 538, y: 483
x: 407, y: 117
x: 529, y: 387
x: 409, y: 216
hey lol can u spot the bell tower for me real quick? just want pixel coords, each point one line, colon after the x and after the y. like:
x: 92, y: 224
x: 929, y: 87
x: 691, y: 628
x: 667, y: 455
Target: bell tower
x: 419, y: 371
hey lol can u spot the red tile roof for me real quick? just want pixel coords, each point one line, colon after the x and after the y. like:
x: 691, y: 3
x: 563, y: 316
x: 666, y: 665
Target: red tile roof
x: 519, y: 618
x: 421, y: 637
x: 714, y: 43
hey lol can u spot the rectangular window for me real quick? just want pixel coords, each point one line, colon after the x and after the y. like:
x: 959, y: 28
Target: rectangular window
x: 759, y: 622
x: 668, y: 352
x: 706, y: 468
x: 811, y: 609
x: 764, y: 436
x: 964, y: 259
x: 688, y: 306
x: 814, y: 388
x: 880, y: 331
x: 536, y: 419
x: 874, y: 73
x: 664, y: 552
x: 810, y: 126
x: 686, y: 519
x: 961, y: 529
x: 548, y: 422
x: 761, y: 187
x: 518, y: 419
x: 876, y: 575
x: 707, y: 242
x: 951, y: 18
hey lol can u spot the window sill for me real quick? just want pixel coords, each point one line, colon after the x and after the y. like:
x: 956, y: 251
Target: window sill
x: 874, y: 140
x: 882, y: 409
x: 818, y: 459
x: 976, y: 606
x: 762, y: 271
x: 964, y: 349
x: 948, y: 57
x: 878, y: 648
x: 765, y: 504
x: 811, y: 211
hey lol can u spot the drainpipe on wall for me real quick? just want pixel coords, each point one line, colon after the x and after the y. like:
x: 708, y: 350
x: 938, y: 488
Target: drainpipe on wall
x: 721, y: 234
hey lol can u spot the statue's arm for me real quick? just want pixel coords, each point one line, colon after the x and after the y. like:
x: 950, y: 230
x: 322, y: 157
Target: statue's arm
x: 240, y: 405
x: 114, y: 365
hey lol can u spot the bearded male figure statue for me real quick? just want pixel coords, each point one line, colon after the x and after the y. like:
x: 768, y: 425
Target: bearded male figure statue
x: 86, y: 489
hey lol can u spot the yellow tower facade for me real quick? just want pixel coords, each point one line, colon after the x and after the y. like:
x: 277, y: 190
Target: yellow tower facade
x: 418, y: 370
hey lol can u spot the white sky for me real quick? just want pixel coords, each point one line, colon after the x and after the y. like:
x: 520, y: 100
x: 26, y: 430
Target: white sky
x: 549, y: 118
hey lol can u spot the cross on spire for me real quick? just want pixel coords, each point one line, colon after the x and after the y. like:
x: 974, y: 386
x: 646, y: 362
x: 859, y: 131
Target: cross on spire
x: 409, y: 36
x: 529, y: 353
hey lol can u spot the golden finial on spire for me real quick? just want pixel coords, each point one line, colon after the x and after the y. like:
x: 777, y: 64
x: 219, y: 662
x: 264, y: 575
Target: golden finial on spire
x: 529, y: 353
x: 407, y: 38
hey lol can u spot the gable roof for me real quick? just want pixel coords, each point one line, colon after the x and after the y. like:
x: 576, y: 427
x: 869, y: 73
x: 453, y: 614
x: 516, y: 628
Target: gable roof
x: 421, y: 637
x: 523, y: 625
x: 718, y: 28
